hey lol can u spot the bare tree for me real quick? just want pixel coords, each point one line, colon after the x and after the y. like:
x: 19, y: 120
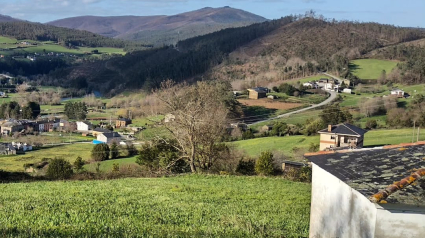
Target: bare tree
x: 200, y: 120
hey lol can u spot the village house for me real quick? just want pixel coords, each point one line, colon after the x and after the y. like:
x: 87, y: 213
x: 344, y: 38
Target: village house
x: 67, y: 126
x: 84, y: 126
x: 21, y: 146
x: 313, y: 85
x: 347, y: 90
x: 7, y: 149
x: 8, y: 128
x: 122, y: 122
x: 341, y: 136
x: 97, y: 131
x: 375, y: 192
x: 257, y: 93
x: 109, y: 137
x: 397, y: 93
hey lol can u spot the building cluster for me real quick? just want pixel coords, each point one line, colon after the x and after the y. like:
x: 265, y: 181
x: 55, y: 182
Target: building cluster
x: 102, y: 134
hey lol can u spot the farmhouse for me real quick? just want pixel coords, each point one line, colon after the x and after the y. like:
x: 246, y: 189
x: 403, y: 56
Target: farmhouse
x: 97, y: 131
x: 84, y: 126
x: 122, y: 122
x: 257, y: 93
x: 10, y: 127
x: 341, y: 136
x: 376, y: 192
x: 7, y: 149
x: 397, y: 92
x: 109, y: 137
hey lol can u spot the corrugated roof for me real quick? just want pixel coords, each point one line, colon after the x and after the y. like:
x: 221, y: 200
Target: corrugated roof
x: 372, y: 171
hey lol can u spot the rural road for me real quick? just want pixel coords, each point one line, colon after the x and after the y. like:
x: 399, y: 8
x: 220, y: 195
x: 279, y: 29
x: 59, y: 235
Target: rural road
x: 330, y: 99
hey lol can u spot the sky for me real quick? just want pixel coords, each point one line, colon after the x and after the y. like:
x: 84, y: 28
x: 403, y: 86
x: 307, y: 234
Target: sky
x: 395, y: 12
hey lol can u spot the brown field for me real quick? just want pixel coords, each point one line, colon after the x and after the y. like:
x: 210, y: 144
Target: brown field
x: 269, y: 103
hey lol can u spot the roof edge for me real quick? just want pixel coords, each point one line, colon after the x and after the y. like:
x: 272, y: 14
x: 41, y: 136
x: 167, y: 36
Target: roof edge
x: 384, y: 194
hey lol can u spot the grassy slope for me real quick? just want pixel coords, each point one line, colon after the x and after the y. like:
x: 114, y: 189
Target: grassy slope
x: 285, y: 144
x: 187, y: 206
x: 371, y: 68
x: 6, y: 42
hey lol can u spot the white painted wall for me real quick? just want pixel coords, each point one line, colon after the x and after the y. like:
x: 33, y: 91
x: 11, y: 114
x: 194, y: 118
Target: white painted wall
x: 81, y: 126
x: 337, y: 210
x: 396, y: 221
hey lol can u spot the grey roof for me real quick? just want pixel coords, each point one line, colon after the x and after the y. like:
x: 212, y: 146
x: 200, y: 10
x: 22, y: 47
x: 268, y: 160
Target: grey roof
x: 124, y: 119
x: 345, y: 129
x: 371, y: 171
x: 260, y: 89
x: 111, y: 135
x: 98, y: 129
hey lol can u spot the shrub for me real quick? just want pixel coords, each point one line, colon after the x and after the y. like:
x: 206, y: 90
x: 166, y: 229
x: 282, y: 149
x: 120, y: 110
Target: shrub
x: 248, y: 135
x: 79, y: 163
x: 115, y: 168
x: 264, y: 164
x: 313, y: 147
x: 100, y: 152
x: 371, y: 124
x: 246, y: 167
x: 59, y: 169
x: 114, y: 150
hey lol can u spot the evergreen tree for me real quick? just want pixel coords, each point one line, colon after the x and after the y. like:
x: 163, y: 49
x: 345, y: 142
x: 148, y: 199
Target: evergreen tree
x: 100, y: 152
x: 114, y: 150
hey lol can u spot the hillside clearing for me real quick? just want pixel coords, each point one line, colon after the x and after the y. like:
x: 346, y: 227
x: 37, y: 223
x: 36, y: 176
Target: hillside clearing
x: 186, y: 206
x: 371, y: 68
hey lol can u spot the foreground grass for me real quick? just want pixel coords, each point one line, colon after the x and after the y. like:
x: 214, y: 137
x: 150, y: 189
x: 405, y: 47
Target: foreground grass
x: 187, y: 206
x: 371, y: 68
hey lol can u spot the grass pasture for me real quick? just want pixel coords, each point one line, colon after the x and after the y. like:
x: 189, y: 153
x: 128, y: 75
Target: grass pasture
x: 371, y: 68
x: 184, y: 206
x: 285, y: 144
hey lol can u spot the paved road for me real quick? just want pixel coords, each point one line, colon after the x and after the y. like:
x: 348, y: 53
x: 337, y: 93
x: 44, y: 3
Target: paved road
x: 330, y: 99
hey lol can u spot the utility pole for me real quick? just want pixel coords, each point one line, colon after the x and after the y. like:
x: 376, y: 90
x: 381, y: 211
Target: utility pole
x: 417, y: 139
x: 413, y: 136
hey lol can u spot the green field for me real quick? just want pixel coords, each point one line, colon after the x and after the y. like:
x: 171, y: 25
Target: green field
x: 185, y: 206
x: 285, y: 145
x: 107, y: 166
x: 371, y: 68
x: 9, y: 48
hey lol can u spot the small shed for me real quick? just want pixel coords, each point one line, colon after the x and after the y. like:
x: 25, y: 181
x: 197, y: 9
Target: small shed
x: 347, y: 90
x: 398, y: 93
x: 257, y: 93
x: 287, y: 166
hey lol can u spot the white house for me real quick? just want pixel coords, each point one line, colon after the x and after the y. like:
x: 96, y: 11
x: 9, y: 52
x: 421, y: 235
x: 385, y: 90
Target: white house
x: 397, y: 92
x: 328, y: 86
x: 84, y: 126
x: 354, y: 194
x: 347, y: 90
x: 109, y: 137
x: 22, y: 146
x: 310, y: 85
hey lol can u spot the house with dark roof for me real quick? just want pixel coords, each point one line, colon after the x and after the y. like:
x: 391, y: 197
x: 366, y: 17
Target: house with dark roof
x: 257, y: 93
x: 98, y: 130
x: 375, y: 192
x: 109, y: 137
x: 341, y: 136
x: 122, y: 122
x: 7, y: 149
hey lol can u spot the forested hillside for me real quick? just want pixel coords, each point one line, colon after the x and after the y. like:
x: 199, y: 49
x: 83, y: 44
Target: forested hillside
x: 275, y: 50
x: 308, y: 46
x: 66, y: 37
x: 4, y: 18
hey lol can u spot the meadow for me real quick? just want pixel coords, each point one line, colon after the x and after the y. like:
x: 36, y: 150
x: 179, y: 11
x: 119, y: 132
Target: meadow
x: 371, y: 68
x: 184, y: 206
x: 286, y: 144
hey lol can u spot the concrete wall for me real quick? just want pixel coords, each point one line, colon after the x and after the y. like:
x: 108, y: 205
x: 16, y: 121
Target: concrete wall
x: 337, y: 210
x: 394, y: 221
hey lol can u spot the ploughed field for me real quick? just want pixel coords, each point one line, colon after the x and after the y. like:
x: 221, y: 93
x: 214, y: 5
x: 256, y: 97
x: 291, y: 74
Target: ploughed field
x: 269, y: 103
x: 184, y: 206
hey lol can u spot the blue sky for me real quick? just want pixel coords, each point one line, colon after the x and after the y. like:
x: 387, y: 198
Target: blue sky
x: 395, y: 12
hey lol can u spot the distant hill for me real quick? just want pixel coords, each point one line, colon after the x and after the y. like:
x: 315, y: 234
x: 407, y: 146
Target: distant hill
x: 4, y: 18
x: 67, y: 37
x: 161, y: 30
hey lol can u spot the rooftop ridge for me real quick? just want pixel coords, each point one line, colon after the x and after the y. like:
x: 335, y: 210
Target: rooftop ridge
x: 345, y: 124
x: 382, y: 195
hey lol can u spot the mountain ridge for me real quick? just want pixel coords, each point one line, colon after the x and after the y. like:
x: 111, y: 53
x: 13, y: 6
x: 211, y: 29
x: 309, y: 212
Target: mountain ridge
x: 162, y: 29
x: 4, y: 18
